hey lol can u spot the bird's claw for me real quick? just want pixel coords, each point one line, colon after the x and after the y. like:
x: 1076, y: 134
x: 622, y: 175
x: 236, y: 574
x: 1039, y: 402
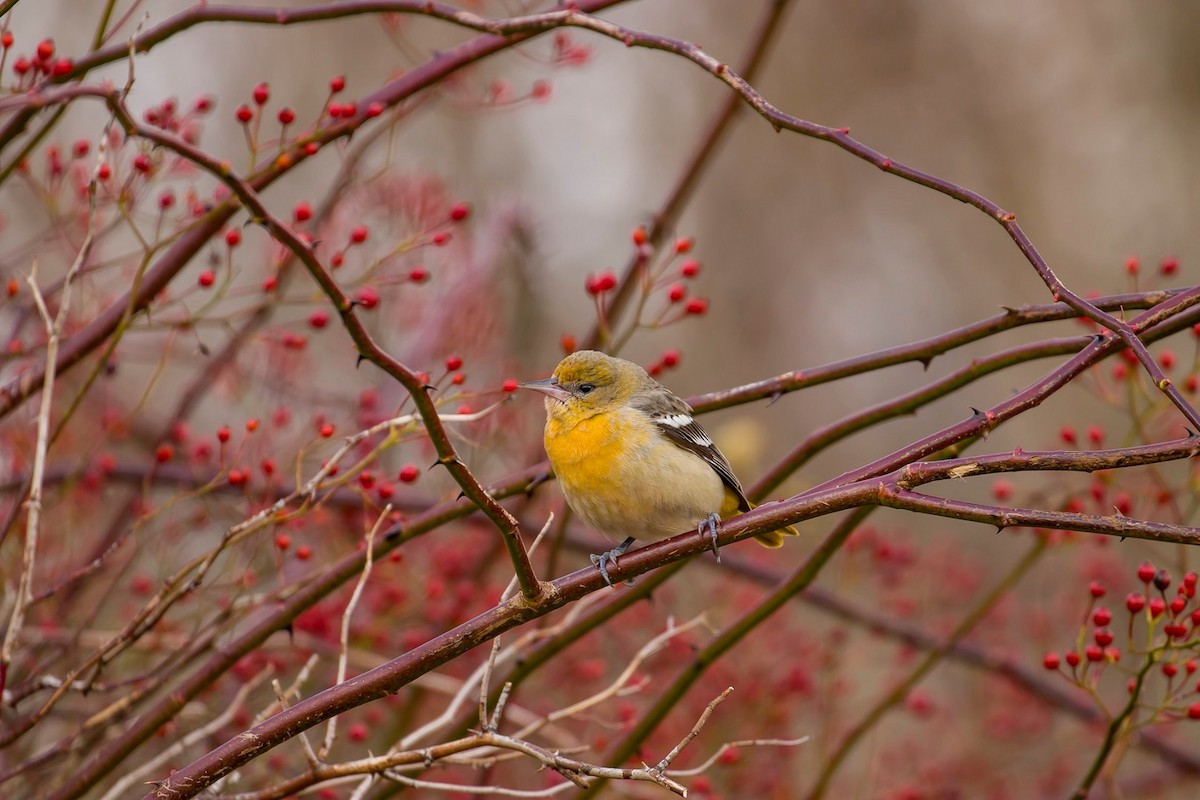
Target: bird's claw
x: 603, y: 559
x: 600, y: 561
x: 709, y: 528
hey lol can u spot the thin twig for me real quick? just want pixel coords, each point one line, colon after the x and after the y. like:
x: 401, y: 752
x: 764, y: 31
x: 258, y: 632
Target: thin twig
x: 344, y: 636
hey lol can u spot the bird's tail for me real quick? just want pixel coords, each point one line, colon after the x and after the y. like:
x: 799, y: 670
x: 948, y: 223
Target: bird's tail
x: 774, y: 539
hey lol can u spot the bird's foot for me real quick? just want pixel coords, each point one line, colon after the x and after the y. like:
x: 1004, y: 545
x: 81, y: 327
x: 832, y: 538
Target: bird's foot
x: 602, y: 560
x: 709, y: 528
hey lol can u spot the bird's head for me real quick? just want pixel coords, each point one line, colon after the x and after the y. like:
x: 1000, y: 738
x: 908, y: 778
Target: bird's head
x: 587, y: 383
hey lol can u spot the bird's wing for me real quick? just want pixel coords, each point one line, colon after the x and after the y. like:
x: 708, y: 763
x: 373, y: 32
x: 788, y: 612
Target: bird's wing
x: 673, y: 417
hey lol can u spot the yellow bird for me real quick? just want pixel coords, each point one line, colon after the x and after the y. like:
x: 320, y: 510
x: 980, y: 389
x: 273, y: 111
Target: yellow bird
x: 631, y: 459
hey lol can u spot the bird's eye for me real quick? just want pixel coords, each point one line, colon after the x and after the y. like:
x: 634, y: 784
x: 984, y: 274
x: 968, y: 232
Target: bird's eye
x: 586, y: 388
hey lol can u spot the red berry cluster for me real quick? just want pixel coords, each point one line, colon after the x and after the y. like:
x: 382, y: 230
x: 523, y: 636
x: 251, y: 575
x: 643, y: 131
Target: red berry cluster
x: 1161, y: 633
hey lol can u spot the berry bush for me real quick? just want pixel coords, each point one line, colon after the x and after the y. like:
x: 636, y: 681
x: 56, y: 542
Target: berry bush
x: 276, y: 522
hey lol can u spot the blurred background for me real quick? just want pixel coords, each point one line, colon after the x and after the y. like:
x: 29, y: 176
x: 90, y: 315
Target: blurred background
x: 1079, y: 117
x: 1076, y: 116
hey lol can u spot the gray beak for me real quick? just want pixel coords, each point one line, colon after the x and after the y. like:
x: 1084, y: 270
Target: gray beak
x: 548, y: 387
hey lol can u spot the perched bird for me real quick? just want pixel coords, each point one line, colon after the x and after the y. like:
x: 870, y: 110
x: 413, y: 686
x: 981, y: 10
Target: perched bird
x: 630, y: 458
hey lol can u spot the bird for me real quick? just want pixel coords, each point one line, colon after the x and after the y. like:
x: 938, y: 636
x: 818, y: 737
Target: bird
x: 631, y: 459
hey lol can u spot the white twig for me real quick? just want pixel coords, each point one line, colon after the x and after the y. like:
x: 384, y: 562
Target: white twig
x: 661, y: 766
x: 485, y: 681
x: 708, y: 762
x: 293, y: 689
x: 152, y: 765
x: 459, y: 789
x: 620, y: 683
x: 344, y: 638
x: 33, y: 506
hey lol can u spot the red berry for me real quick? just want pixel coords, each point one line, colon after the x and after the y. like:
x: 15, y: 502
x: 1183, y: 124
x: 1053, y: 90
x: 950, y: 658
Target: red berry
x: 1103, y: 637
x: 204, y: 104
x: 357, y: 732
x: 267, y: 465
x: 540, y: 90
x: 1002, y: 490
x: 1162, y: 579
x: 1157, y: 607
x: 251, y: 425
x: 1166, y: 359
x: 409, y: 473
x: 1072, y: 658
x: 223, y: 434
x: 599, y: 284
x: 164, y: 453
x: 1135, y: 602
x: 1096, y: 589
x: 453, y: 363
x: 670, y: 358
x: 358, y: 234
x: 318, y: 319
x: 418, y: 274
x: 440, y: 239
x: 166, y: 199
x: 367, y: 297
x: 1093, y: 653
x: 81, y: 148
x: 1132, y: 265
x: 302, y: 212
x: 45, y: 49
x: 63, y: 66
x: 1101, y: 617
x: 1193, y: 711
x: 244, y: 113
x: 366, y: 479
x: 639, y: 235
x: 1169, y: 265
x: 1146, y: 572
x: 304, y: 552
x: 697, y: 305
x: 676, y: 292
x: 6, y: 39
x: 283, y: 541
x: 326, y: 430
x: 459, y: 211
x: 270, y: 283
x: 141, y: 162
x: 690, y: 268
x: 349, y: 110
x: 238, y: 477
x: 683, y: 245
x: 1067, y: 434
x: 509, y: 385
x: 233, y: 237
x: 1095, y: 435
x: 207, y: 278
x: 458, y: 379
x: 375, y: 108
x: 337, y: 83
x: 1051, y: 661
x: 261, y: 94
x: 1178, y: 604
x: 1170, y: 669
x: 286, y: 116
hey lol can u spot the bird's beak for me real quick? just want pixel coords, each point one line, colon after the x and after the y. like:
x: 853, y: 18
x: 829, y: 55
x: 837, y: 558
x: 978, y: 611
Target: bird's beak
x: 548, y: 387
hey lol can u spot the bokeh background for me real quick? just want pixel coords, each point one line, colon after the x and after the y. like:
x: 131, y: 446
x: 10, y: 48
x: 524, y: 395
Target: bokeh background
x: 1079, y: 117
